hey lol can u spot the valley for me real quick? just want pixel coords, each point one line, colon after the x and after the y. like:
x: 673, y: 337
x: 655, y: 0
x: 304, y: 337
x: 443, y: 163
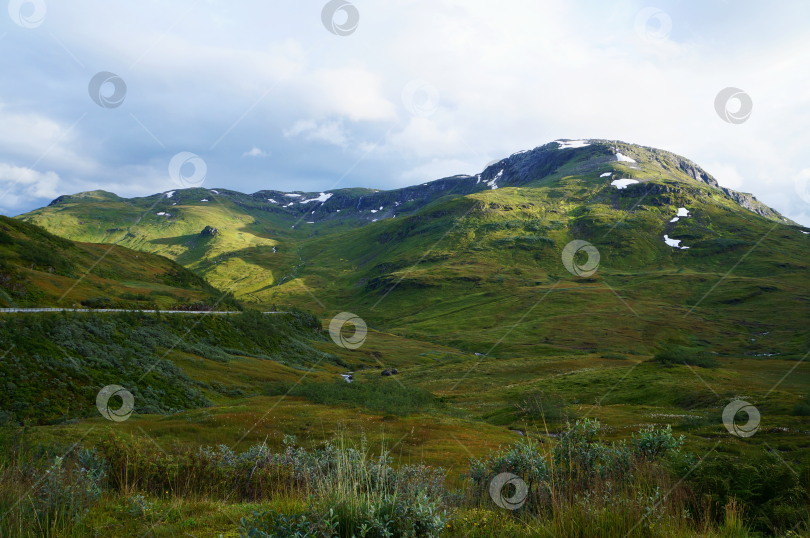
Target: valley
x: 496, y: 336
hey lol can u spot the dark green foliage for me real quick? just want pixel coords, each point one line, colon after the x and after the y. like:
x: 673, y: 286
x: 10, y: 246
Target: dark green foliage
x: 59, y: 362
x: 135, y: 296
x: 526, y: 242
x: 578, y: 462
x: 382, y: 396
x: 720, y: 245
x: 544, y: 407
x: 32, y: 231
x: 183, y: 278
x: 59, y: 491
x: 775, y: 493
x: 98, y: 302
x: 801, y: 409
x: 680, y: 355
x: 38, y: 249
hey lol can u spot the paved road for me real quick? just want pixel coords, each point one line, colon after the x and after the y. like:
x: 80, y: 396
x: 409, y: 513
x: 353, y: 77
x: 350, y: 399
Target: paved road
x: 31, y: 310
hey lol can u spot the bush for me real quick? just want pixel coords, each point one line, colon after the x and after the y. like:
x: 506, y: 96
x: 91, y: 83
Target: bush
x: 773, y: 494
x: 543, y: 406
x: 577, y: 462
x: 99, y: 302
x: 801, y: 409
x: 681, y: 355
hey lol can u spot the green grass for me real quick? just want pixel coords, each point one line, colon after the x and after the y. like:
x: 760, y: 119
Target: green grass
x: 468, y: 298
x: 579, y: 486
x: 381, y: 396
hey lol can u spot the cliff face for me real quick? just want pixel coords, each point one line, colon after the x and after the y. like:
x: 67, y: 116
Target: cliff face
x: 749, y: 202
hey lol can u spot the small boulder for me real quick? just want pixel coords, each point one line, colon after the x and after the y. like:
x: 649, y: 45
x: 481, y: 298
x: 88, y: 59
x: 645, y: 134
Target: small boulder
x: 208, y: 230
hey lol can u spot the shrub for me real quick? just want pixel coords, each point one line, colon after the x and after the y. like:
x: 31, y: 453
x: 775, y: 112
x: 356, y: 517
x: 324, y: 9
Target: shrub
x: 577, y: 462
x: 801, y: 409
x: 98, y: 302
x: 773, y: 495
x: 680, y: 355
x: 543, y: 406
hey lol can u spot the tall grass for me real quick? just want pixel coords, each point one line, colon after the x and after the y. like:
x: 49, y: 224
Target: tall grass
x: 577, y: 487
x: 46, y: 495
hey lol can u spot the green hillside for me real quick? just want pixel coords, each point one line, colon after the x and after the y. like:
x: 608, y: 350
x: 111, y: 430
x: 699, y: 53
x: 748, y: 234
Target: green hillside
x: 463, y: 285
x: 40, y: 269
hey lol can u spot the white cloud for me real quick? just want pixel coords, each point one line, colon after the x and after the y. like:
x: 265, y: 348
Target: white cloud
x: 35, y: 136
x: 20, y: 186
x: 435, y: 169
x: 429, y: 137
x: 725, y: 174
x: 330, y: 132
x: 255, y: 152
x: 354, y: 93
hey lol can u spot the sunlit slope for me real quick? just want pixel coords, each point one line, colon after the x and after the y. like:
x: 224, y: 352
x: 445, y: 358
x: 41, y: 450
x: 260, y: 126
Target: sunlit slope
x: 471, y: 271
x: 239, y: 256
x: 461, y: 258
x: 39, y: 269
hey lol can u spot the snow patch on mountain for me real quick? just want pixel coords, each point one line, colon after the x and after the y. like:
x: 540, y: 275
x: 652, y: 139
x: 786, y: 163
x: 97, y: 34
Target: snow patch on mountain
x: 322, y: 198
x: 622, y: 183
x: 572, y: 144
x: 675, y: 243
x: 492, y: 184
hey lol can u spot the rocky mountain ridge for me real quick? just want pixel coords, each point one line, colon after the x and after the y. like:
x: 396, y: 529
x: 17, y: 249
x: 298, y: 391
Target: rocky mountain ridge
x: 529, y: 168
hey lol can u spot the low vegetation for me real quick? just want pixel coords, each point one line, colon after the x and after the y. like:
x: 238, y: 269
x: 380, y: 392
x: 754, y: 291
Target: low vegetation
x: 55, y: 364
x: 384, y: 396
x: 577, y: 486
x: 688, y: 357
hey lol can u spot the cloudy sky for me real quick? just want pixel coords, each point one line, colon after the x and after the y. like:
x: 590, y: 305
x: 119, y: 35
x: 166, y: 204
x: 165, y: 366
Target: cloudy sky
x: 275, y: 95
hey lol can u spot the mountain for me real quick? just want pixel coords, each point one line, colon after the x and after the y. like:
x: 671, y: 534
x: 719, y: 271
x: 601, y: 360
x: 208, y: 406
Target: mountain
x: 40, y: 269
x: 458, y: 259
x: 473, y: 293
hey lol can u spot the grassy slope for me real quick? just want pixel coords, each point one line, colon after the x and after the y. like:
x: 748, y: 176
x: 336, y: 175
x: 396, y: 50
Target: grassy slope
x: 38, y: 268
x: 482, y: 274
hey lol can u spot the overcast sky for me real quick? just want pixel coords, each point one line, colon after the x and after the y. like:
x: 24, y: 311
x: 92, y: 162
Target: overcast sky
x: 269, y: 98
